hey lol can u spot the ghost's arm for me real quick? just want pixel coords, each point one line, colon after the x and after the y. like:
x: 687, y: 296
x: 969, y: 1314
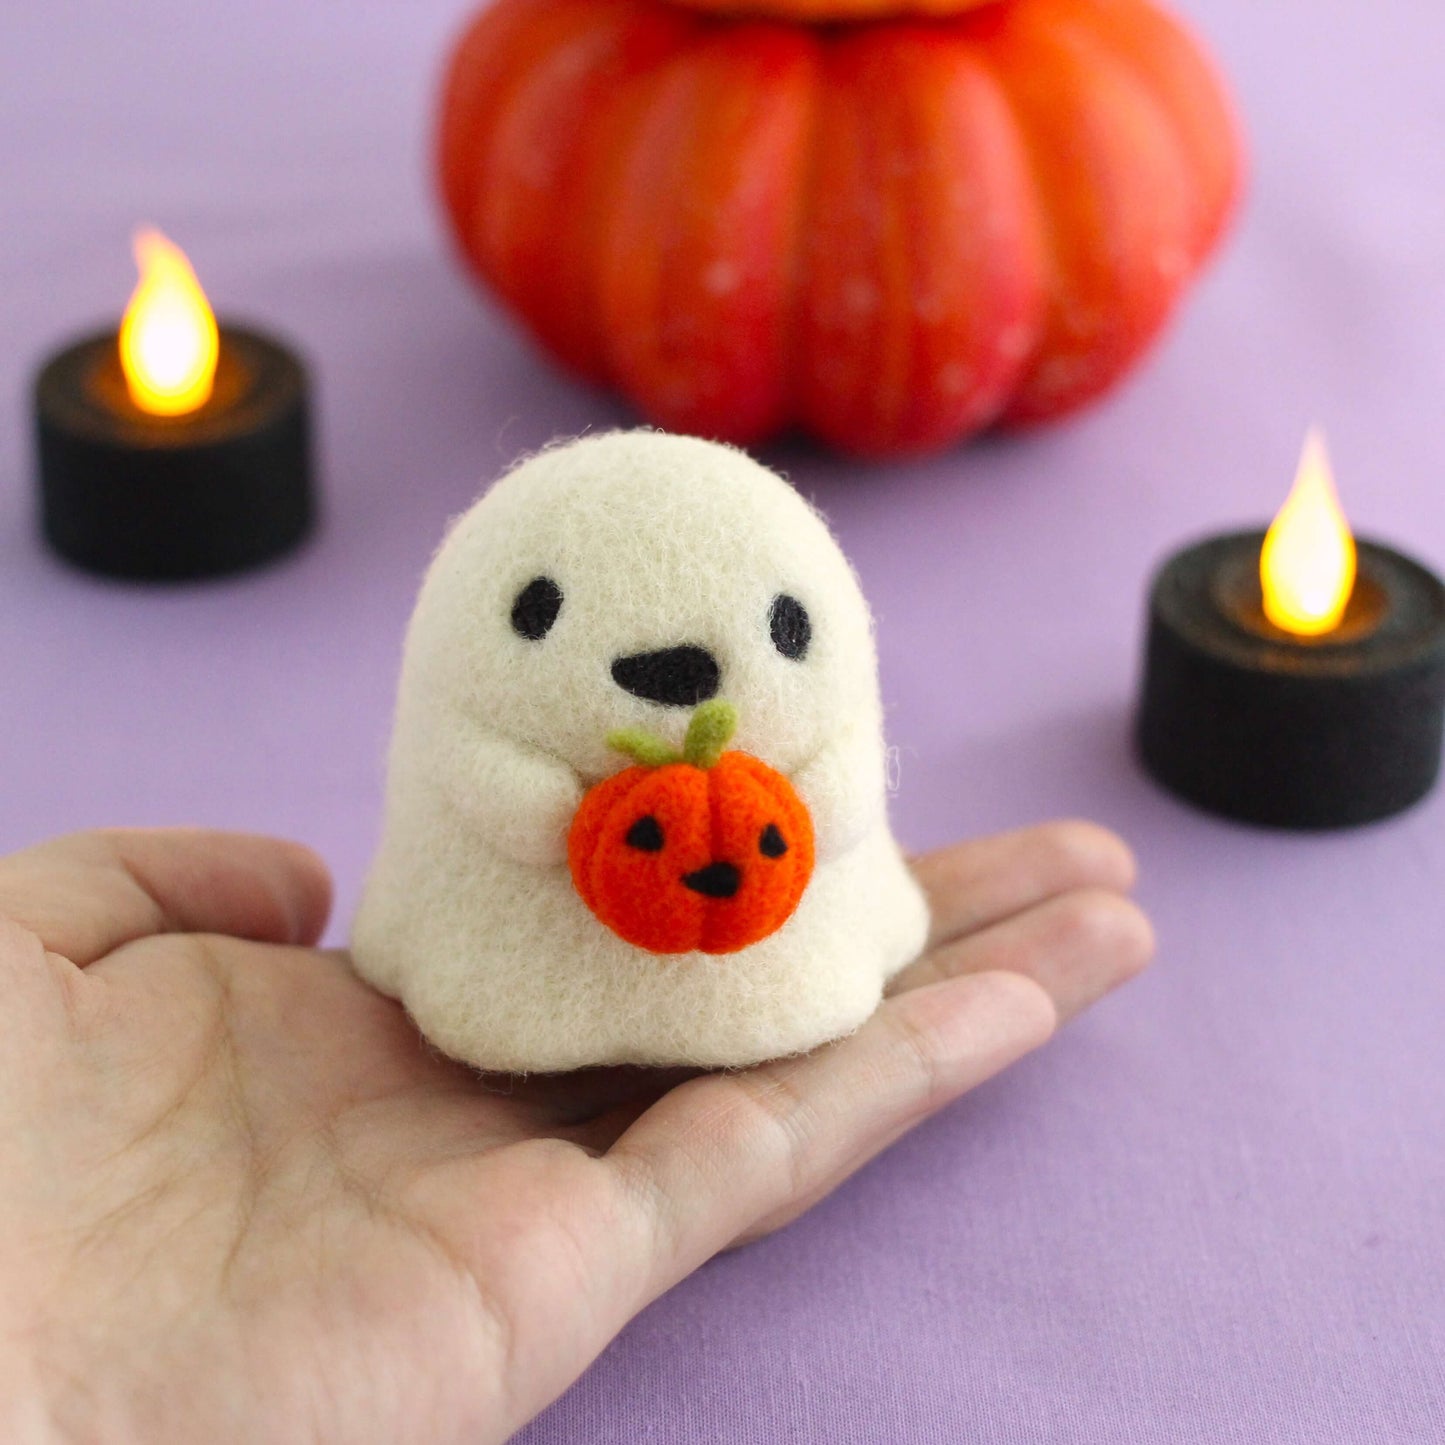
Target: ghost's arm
x: 522, y: 800
x: 845, y: 788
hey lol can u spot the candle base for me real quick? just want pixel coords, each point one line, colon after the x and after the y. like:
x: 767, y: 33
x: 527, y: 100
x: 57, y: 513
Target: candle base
x: 221, y: 489
x: 1252, y: 723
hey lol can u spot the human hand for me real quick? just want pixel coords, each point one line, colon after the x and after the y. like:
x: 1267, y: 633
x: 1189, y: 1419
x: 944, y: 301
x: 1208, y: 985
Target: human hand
x: 241, y: 1200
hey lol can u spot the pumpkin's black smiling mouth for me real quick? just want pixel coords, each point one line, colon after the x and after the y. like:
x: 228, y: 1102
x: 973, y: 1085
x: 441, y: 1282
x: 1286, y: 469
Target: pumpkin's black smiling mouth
x: 717, y: 880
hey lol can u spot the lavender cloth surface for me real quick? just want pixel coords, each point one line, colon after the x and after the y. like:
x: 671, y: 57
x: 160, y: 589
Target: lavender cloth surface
x: 1212, y: 1211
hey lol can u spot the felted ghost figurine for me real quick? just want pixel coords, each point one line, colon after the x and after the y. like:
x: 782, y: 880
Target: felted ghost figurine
x: 646, y: 649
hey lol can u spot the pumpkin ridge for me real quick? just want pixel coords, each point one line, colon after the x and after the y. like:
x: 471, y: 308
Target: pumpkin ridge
x: 1015, y: 345
x: 892, y: 368
x: 611, y: 252
x: 1045, y: 225
x: 1105, y: 305
x: 467, y: 102
x: 626, y: 111
x: 940, y: 97
x: 795, y: 211
x: 1169, y: 61
x: 793, y: 321
x: 837, y: 12
x: 699, y: 232
x: 532, y: 32
x: 1074, y: 21
x: 592, y: 87
x: 590, y: 825
x: 918, y: 115
x: 708, y: 939
x: 932, y: 111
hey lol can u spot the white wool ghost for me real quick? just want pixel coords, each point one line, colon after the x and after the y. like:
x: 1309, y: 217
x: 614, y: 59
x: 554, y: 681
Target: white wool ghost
x: 470, y: 916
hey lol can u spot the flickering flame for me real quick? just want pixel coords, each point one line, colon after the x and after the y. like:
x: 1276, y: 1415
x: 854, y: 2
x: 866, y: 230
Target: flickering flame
x: 168, y: 338
x: 1307, y: 564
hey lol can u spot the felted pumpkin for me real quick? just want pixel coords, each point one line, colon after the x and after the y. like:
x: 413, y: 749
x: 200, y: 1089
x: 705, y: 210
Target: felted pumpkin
x: 888, y: 235
x: 700, y: 850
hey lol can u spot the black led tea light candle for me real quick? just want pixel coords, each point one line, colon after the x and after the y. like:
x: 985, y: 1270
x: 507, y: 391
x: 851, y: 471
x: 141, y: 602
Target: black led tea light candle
x: 175, y: 448
x: 1295, y: 678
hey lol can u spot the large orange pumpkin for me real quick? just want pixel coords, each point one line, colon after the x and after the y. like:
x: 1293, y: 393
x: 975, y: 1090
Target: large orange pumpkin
x: 816, y: 11
x: 703, y: 851
x: 888, y: 234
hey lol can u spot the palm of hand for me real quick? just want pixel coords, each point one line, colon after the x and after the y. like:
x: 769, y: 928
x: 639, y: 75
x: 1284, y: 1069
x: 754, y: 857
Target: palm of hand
x: 246, y: 1201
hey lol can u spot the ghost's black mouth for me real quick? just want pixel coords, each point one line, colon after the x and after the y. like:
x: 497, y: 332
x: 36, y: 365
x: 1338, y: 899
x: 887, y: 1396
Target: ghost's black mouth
x: 673, y: 676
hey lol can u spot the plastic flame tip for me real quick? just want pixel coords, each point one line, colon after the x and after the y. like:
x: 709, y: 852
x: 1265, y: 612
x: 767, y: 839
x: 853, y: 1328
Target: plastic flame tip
x: 1307, y: 564
x: 169, y: 343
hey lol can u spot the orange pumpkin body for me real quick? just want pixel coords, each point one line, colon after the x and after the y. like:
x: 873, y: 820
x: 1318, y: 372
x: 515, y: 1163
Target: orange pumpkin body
x: 681, y: 859
x: 889, y: 235
x: 822, y: 11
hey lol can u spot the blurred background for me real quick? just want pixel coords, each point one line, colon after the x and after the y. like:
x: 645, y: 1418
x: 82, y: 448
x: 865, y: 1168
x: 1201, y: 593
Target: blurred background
x: 1211, y: 1211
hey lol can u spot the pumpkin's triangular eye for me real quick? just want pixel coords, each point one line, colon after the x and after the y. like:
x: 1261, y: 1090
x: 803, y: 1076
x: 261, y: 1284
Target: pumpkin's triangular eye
x: 772, y: 844
x: 645, y: 834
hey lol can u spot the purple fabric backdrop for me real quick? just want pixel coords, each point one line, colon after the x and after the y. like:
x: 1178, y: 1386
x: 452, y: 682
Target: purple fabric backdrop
x: 1211, y: 1212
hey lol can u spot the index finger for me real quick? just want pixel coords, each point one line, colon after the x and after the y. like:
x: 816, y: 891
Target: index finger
x: 718, y: 1155
x: 982, y: 881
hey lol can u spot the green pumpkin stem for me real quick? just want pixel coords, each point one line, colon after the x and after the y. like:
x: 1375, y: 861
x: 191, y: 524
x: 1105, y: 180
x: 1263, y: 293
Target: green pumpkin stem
x: 643, y: 748
x: 708, y: 734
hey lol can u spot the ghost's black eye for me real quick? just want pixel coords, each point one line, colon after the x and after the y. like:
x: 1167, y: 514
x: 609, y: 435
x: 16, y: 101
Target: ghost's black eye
x: 772, y: 844
x: 790, y: 626
x: 646, y: 834
x: 536, y: 608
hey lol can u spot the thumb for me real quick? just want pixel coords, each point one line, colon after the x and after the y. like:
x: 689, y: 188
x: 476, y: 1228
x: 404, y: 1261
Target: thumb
x: 88, y: 894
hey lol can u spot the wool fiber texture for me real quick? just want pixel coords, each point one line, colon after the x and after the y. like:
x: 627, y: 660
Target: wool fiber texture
x: 613, y: 584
